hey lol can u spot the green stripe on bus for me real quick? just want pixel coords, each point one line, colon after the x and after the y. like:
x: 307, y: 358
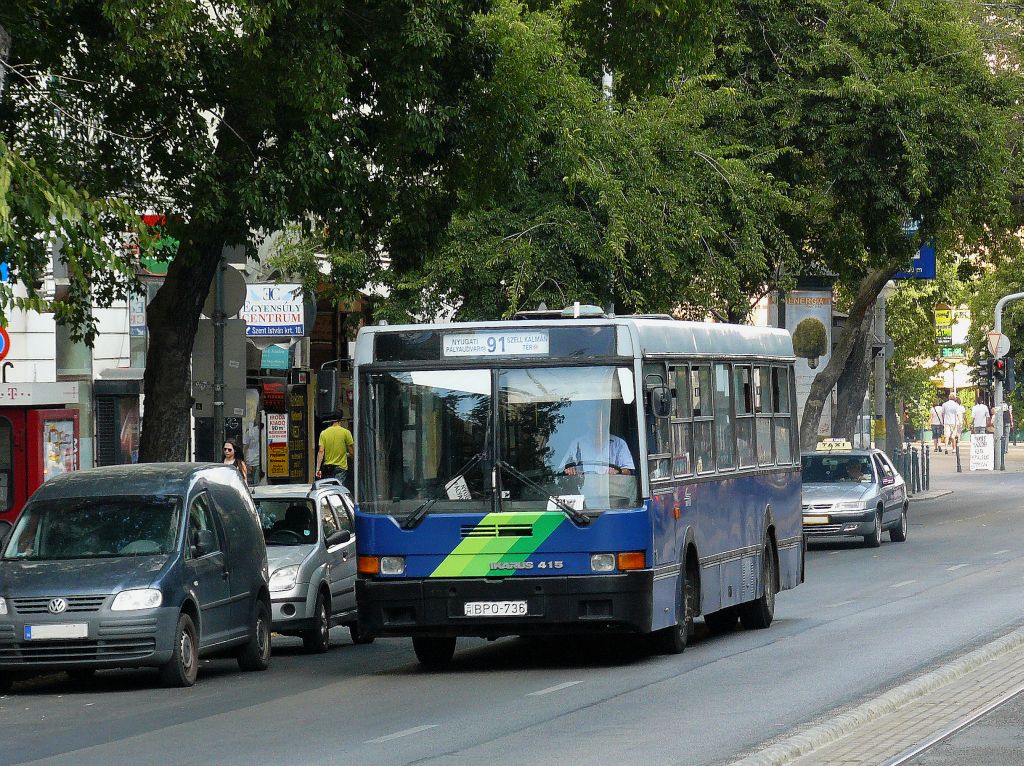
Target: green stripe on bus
x: 474, y: 555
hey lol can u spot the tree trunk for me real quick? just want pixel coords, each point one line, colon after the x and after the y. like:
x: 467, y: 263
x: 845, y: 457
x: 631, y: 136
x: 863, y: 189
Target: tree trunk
x: 826, y: 380
x: 853, y: 384
x: 173, y: 318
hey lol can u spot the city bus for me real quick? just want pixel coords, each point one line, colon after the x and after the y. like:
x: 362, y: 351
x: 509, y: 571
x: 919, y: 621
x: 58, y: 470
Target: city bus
x: 572, y: 472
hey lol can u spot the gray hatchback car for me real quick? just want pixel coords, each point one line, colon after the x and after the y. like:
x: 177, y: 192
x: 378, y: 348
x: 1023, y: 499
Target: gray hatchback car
x: 853, y: 492
x: 135, y: 566
x: 311, y: 550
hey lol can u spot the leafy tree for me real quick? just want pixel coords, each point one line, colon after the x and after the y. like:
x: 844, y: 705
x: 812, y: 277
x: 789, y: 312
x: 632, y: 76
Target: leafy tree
x: 891, y: 112
x: 233, y: 118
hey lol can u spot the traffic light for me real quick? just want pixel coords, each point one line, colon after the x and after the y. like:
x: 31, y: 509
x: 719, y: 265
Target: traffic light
x: 984, y: 373
x: 999, y: 369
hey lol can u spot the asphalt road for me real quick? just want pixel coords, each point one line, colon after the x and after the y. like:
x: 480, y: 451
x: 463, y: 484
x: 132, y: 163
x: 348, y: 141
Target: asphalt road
x: 865, y: 621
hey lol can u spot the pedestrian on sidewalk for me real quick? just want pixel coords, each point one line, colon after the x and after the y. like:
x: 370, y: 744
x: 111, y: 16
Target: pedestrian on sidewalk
x: 981, y: 416
x: 935, y: 422
x: 336, y: 451
x: 1008, y: 431
x: 950, y: 420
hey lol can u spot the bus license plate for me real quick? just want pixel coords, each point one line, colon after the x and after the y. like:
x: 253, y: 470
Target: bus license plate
x: 495, y: 609
x: 812, y: 520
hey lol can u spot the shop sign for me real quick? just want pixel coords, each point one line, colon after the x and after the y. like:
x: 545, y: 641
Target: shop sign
x: 273, y: 311
x: 275, y: 397
x: 277, y: 460
x: 277, y: 428
x: 37, y: 394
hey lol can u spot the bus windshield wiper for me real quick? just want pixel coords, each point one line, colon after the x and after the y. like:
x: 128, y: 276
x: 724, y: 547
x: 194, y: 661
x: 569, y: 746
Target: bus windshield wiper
x: 578, y: 518
x: 423, y: 508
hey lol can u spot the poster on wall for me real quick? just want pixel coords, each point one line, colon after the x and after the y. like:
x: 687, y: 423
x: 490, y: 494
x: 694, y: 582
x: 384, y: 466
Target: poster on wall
x: 60, y: 453
x: 809, y: 320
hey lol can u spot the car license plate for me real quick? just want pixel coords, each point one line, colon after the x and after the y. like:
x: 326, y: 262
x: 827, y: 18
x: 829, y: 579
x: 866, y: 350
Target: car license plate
x: 494, y: 609
x: 812, y: 520
x: 51, y: 632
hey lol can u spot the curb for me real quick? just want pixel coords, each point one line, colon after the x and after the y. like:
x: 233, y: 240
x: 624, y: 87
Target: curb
x: 824, y: 734
x: 933, y: 495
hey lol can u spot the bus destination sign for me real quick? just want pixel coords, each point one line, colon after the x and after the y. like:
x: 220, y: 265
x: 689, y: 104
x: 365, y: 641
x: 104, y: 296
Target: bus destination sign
x: 530, y: 343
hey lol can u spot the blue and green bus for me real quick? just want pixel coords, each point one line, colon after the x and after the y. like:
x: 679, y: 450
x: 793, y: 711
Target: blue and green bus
x: 571, y: 472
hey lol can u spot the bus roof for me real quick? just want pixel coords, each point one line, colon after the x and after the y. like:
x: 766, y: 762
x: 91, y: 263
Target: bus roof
x: 654, y: 336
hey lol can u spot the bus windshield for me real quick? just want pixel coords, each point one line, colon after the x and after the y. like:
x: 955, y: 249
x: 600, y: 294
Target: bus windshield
x: 562, y: 432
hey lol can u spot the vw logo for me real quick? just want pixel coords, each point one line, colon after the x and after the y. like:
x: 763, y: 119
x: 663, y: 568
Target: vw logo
x: 57, y: 605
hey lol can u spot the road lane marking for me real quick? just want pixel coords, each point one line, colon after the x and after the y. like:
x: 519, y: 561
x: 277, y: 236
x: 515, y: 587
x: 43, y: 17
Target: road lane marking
x: 841, y: 603
x: 956, y: 567
x: 552, y: 689
x: 404, y: 733
x: 1000, y: 553
x: 901, y: 584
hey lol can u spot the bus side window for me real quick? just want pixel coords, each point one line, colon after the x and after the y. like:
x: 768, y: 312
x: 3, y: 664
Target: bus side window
x: 725, y: 430
x: 743, y: 396
x: 659, y: 437
x: 682, y: 426
x: 763, y: 409
x: 703, y: 418
x: 782, y: 422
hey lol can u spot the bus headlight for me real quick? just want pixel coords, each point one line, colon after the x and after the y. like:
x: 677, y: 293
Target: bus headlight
x: 392, y: 565
x: 602, y: 562
x: 3, y: 606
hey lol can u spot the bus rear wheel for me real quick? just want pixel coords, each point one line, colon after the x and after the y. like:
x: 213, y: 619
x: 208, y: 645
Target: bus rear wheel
x: 673, y: 640
x: 759, y: 613
x: 434, y: 653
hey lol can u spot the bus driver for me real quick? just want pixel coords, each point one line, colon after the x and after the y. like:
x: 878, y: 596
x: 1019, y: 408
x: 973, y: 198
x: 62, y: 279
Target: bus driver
x: 595, y: 453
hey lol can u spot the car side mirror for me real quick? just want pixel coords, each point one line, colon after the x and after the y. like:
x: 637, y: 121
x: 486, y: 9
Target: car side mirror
x: 661, y: 401
x: 203, y: 542
x: 338, y: 538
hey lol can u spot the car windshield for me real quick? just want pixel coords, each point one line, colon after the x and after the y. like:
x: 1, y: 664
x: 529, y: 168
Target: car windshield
x: 828, y: 469
x: 80, y: 528
x: 287, y: 521
x: 562, y: 432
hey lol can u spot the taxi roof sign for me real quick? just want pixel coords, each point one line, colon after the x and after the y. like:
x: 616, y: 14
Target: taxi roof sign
x: 834, y: 445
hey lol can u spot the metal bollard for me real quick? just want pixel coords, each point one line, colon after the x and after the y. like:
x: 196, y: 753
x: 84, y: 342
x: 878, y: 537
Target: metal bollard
x: 959, y: 469
x: 926, y: 467
x: 915, y: 476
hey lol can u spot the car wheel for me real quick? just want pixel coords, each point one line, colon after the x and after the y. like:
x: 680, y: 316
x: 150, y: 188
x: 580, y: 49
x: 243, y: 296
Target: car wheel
x: 759, y: 613
x: 255, y: 655
x: 183, y: 667
x: 721, y: 621
x: 318, y: 639
x: 875, y: 538
x: 898, y: 534
x: 434, y: 653
x: 358, y: 637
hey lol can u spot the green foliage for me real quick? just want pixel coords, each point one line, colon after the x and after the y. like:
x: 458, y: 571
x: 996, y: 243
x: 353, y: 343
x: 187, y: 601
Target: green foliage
x: 810, y: 340
x: 38, y: 210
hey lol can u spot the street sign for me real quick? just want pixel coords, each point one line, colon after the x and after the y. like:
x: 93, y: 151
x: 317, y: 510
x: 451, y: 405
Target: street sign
x: 922, y: 266
x: 5, y: 343
x: 943, y: 324
x: 998, y: 344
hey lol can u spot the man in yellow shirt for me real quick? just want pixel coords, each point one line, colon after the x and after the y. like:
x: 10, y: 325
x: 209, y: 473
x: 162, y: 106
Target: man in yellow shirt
x: 337, y: 447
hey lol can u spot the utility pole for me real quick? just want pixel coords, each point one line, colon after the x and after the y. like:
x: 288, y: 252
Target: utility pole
x: 218, y: 358
x: 997, y: 399
x: 882, y: 336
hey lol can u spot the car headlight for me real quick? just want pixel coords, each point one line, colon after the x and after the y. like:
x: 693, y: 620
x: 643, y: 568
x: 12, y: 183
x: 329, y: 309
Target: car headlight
x: 141, y: 598
x: 3, y: 606
x: 284, y: 578
x: 850, y: 505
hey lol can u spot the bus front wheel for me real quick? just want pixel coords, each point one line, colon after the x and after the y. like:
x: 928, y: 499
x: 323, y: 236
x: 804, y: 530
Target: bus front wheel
x: 434, y: 653
x: 673, y: 640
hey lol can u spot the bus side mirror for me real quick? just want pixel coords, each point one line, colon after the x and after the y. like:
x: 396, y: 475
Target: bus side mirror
x: 5, y: 529
x: 661, y: 401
